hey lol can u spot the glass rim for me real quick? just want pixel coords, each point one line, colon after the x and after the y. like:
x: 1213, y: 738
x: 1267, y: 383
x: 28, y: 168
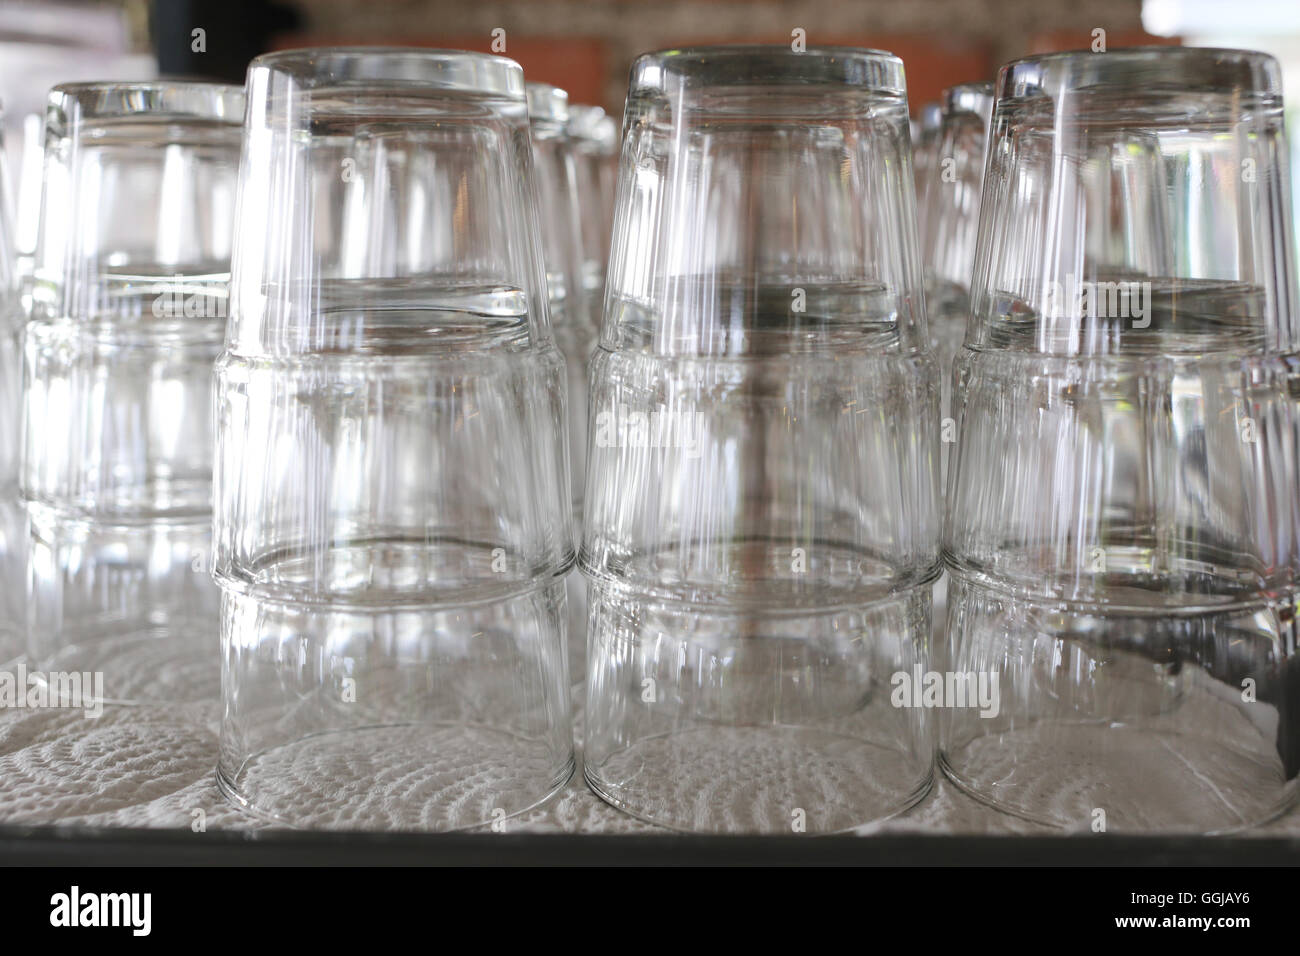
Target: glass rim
x: 772, y: 64
x: 1200, y: 69
x: 175, y: 99
x: 974, y: 98
x: 590, y: 124
x: 546, y: 103
x: 434, y: 70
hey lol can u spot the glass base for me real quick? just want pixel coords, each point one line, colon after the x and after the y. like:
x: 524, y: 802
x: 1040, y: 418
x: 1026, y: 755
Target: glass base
x: 395, y: 718
x: 429, y: 777
x: 1140, y: 781
x: 133, y: 603
x: 1123, y: 721
x: 759, y: 780
x: 176, y: 664
x: 721, y: 720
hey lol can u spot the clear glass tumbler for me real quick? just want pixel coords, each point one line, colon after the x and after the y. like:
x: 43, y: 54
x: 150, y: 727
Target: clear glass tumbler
x: 13, y: 529
x: 950, y: 205
x: 595, y: 141
x: 393, y: 523
x: 761, y: 526
x: 925, y: 143
x: 1123, y: 530
x: 555, y: 160
x: 128, y: 305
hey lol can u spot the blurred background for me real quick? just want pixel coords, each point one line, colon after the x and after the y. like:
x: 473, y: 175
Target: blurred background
x: 585, y: 46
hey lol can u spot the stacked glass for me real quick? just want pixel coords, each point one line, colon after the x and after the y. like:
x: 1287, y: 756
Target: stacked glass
x: 13, y: 529
x: 950, y: 206
x: 556, y: 162
x: 1123, y: 532
x: 925, y: 143
x: 594, y: 138
x: 128, y: 306
x: 595, y: 141
x: 761, y: 527
x: 393, y: 523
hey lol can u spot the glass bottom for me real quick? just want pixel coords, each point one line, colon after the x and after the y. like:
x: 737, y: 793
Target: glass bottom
x: 717, y: 720
x: 759, y: 780
x: 415, y: 776
x: 179, y: 663
x: 133, y: 603
x: 1141, y: 780
x: 395, y: 718
x: 1120, y: 721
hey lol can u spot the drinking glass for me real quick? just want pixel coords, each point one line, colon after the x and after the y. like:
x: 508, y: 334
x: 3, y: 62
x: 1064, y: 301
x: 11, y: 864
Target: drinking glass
x: 1122, y: 526
x: 925, y: 141
x: 555, y: 160
x: 13, y: 532
x: 950, y: 205
x: 592, y: 138
x: 128, y: 302
x: 393, y: 524
x: 761, y: 530
x: 595, y: 141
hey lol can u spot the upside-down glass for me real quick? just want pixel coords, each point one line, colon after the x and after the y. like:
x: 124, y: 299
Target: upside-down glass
x: 761, y: 526
x: 925, y: 140
x: 556, y: 163
x: 393, y: 524
x: 1123, y: 525
x: 128, y: 303
x: 13, y: 532
x: 595, y: 142
x: 950, y: 205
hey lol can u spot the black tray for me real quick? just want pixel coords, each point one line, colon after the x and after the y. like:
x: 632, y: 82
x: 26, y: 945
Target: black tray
x: 74, y: 846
